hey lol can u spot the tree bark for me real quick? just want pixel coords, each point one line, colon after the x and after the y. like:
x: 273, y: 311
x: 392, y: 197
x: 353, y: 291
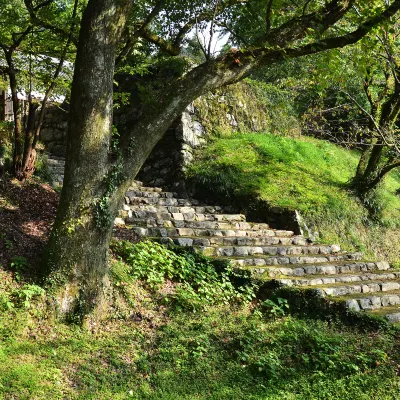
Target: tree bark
x: 76, y: 256
x: 16, y: 112
x: 27, y: 166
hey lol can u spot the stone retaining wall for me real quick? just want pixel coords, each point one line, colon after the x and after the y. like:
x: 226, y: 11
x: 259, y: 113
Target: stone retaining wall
x: 54, y: 130
x: 167, y: 163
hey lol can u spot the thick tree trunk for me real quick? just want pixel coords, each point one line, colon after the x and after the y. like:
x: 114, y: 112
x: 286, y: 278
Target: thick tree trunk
x: 368, y: 170
x: 75, y: 262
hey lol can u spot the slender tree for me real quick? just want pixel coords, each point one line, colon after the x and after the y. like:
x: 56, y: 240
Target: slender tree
x: 18, y: 37
x: 381, y: 86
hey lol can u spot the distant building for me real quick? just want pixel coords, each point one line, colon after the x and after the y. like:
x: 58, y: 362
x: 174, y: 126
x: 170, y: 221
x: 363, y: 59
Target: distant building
x: 6, y: 104
x: 6, y: 107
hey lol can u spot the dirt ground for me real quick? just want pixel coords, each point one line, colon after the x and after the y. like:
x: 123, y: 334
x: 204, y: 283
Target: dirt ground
x: 27, y: 212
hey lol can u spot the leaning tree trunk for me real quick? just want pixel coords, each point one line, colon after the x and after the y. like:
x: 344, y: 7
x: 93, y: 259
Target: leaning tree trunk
x: 75, y: 261
x: 370, y: 171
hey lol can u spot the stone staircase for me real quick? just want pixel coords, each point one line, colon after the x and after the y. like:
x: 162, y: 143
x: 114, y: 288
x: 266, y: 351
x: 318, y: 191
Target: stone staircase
x: 268, y: 253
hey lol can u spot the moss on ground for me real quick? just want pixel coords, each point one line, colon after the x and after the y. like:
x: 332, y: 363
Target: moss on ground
x: 247, y: 106
x: 308, y: 175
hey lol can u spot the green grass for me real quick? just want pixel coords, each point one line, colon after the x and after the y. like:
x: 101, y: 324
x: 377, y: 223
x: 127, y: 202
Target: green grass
x: 223, y: 353
x: 150, y: 348
x: 308, y: 175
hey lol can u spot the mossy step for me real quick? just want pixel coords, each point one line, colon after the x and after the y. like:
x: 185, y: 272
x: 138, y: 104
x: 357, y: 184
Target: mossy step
x: 391, y: 313
x: 272, y: 250
x: 370, y: 301
x: 207, y: 241
x: 141, y: 188
x: 283, y: 237
x: 167, y: 202
x: 178, y: 209
x: 316, y: 280
x: 216, y: 225
x: 370, y: 287
x: 136, y: 192
x: 288, y: 250
x: 187, y: 216
x: 265, y: 260
x: 327, y: 269
x: 259, y: 241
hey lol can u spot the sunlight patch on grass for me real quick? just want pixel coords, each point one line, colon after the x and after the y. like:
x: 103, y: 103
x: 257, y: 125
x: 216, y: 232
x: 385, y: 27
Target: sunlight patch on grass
x: 307, y: 175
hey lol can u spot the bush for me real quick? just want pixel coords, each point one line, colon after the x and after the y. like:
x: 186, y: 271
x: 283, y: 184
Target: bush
x: 200, y: 281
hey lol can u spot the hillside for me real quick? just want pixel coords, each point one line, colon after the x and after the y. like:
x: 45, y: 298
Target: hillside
x: 307, y: 175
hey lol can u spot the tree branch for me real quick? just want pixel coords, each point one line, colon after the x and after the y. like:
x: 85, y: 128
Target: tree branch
x: 55, y: 76
x: 296, y: 28
x: 268, y: 15
x: 385, y: 170
x: 212, y: 29
x: 43, y: 4
x: 144, y: 32
x: 163, y: 44
x: 39, y: 22
x: 205, y: 16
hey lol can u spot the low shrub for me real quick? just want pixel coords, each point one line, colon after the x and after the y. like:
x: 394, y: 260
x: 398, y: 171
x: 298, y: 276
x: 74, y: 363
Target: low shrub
x: 199, y: 280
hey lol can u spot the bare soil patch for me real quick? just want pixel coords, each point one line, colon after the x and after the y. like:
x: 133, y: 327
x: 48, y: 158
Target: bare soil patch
x: 27, y: 212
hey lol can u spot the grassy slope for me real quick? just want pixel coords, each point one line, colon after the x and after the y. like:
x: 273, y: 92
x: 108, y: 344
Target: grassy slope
x: 308, y: 175
x: 158, y: 352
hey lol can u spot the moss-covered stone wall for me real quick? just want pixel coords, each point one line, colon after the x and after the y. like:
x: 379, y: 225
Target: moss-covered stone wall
x: 235, y: 107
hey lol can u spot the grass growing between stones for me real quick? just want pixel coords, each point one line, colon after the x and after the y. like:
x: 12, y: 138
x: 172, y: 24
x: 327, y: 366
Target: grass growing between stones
x: 308, y: 175
x: 154, y: 346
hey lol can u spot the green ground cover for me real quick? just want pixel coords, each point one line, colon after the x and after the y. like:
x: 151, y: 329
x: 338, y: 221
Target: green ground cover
x: 308, y: 175
x: 158, y: 343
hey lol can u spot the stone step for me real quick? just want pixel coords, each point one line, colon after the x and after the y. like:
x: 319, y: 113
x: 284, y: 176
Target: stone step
x: 331, y: 268
x: 376, y: 286
x: 53, y: 159
x: 142, y: 188
x: 371, y: 301
x: 275, y: 236
x: 175, y: 209
x: 135, y: 193
x: 392, y: 313
x: 207, y: 241
x: 256, y: 241
x: 55, y: 164
x: 214, y: 225
x: 270, y: 261
x: 56, y: 171
x: 297, y: 246
x: 188, y: 216
x: 155, y: 201
x: 316, y: 280
x: 229, y: 251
